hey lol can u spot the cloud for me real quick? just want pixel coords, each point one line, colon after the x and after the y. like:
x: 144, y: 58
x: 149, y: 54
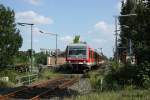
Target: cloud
x: 36, y: 31
x: 99, y: 41
x: 33, y: 17
x: 119, y: 6
x: 33, y: 2
x: 103, y: 27
x: 102, y: 36
x: 66, y: 39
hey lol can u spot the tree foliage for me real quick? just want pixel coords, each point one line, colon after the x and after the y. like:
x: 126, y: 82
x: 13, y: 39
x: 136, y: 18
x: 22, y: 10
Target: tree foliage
x: 10, y: 38
x: 138, y: 31
x: 138, y: 28
x: 41, y: 58
x: 76, y: 39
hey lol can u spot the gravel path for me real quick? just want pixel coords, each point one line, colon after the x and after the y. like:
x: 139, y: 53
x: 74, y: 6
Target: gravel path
x: 82, y: 86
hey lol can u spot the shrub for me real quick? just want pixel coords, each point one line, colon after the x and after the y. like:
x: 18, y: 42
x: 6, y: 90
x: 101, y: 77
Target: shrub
x: 137, y: 75
x: 4, y: 84
x: 122, y: 75
x: 47, y: 74
x: 9, y: 73
x: 95, y: 80
x: 144, y: 74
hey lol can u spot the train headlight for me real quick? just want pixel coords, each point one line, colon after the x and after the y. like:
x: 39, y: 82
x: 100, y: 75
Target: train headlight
x: 69, y: 61
x: 84, y: 62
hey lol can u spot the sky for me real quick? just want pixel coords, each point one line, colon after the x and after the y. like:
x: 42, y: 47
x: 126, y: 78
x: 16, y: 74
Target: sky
x: 91, y: 19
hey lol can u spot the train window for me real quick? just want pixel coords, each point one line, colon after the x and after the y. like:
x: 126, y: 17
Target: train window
x: 80, y: 53
x: 90, y: 53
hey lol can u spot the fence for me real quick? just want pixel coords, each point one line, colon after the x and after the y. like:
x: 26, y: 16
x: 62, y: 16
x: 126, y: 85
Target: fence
x: 26, y: 80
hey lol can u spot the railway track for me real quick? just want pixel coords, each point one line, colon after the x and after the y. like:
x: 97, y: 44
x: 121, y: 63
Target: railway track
x: 45, y: 89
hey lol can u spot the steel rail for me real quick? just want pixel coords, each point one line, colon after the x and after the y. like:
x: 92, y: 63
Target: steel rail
x: 43, y: 84
x: 56, y: 88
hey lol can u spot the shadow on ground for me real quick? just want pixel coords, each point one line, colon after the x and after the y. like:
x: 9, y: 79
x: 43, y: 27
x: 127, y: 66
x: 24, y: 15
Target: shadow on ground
x: 27, y: 94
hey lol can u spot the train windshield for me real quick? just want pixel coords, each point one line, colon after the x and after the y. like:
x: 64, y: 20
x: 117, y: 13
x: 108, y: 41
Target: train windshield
x: 77, y: 52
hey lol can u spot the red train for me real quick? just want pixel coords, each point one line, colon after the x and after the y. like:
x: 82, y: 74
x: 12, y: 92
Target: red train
x: 82, y: 57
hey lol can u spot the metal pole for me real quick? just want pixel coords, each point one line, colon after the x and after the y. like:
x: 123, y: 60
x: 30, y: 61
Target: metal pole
x: 101, y: 50
x: 56, y: 45
x: 56, y: 50
x: 31, y: 46
x: 23, y: 24
x: 130, y: 47
x: 116, y: 38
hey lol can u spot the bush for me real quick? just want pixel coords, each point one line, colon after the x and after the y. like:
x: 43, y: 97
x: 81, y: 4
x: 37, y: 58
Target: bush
x: 95, y: 80
x: 9, y: 73
x: 4, y: 84
x: 121, y: 76
x: 12, y: 74
x: 47, y: 74
x: 137, y: 75
x: 144, y: 74
x: 41, y: 58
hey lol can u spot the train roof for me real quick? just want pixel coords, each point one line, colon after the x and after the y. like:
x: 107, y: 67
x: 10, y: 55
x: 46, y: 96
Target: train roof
x: 78, y: 44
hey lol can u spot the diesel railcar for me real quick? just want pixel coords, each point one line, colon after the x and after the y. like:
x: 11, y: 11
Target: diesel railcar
x: 82, y: 57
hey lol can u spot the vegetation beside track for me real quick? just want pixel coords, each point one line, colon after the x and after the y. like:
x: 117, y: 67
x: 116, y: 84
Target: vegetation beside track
x: 12, y: 74
x: 48, y: 74
x: 110, y: 88
x: 126, y: 94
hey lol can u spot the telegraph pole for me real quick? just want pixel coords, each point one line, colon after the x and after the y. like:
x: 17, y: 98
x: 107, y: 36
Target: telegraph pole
x: 56, y: 36
x: 116, y: 39
x: 29, y: 24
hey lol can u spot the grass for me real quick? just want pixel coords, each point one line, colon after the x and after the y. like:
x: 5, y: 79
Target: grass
x: 126, y: 93
x: 117, y: 95
x: 48, y: 74
x: 4, y: 84
x: 12, y: 75
x: 95, y: 79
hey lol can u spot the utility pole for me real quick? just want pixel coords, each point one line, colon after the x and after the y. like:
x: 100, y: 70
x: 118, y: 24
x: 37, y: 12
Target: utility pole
x: 55, y: 45
x: 100, y: 50
x: 116, y: 39
x: 31, y: 47
x: 116, y: 33
x: 56, y: 49
x: 31, y: 25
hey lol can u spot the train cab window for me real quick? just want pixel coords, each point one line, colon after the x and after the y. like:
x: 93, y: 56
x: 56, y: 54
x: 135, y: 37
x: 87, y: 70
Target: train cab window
x: 90, y: 53
x: 80, y: 53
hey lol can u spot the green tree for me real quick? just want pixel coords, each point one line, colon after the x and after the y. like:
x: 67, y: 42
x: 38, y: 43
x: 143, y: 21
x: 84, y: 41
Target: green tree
x: 139, y: 32
x: 76, y: 39
x: 137, y: 25
x: 41, y: 58
x: 10, y: 38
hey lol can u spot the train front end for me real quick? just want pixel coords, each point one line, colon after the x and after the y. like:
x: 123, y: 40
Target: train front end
x: 77, y: 56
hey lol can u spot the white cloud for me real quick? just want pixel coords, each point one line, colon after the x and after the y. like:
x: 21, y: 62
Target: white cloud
x: 119, y: 6
x: 36, y: 31
x: 102, y: 36
x: 99, y: 41
x: 33, y: 2
x: 33, y: 17
x: 66, y: 39
x: 103, y: 27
